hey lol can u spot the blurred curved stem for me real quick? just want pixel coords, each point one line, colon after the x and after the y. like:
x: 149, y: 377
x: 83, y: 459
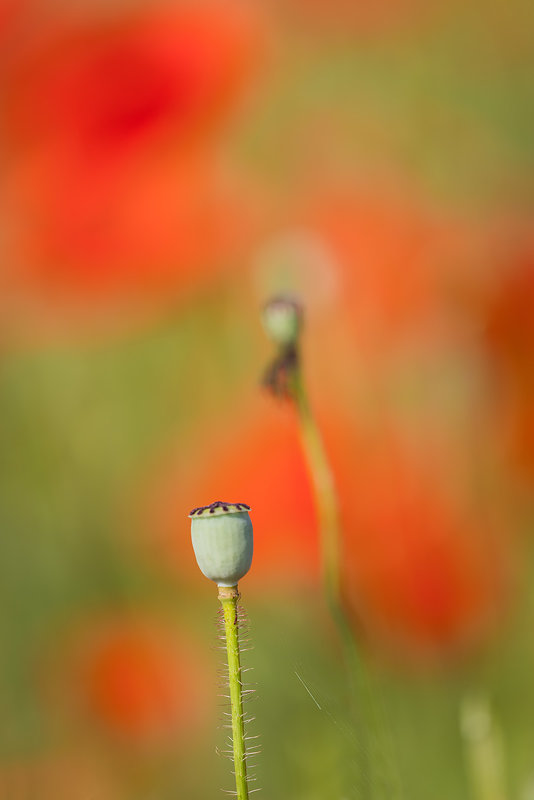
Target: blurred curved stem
x: 326, y: 502
x: 370, y: 713
x: 228, y: 598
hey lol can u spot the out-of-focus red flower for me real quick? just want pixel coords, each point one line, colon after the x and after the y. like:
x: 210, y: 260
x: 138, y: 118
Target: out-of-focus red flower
x: 517, y: 423
x: 99, y: 90
x: 111, y: 127
x: 424, y: 574
x: 509, y: 328
x: 424, y: 570
x: 141, y: 682
x: 508, y: 334
x: 254, y: 457
x: 57, y: 776
x: 10, y: 11
x: 6, y: 11
x: 393, y: 254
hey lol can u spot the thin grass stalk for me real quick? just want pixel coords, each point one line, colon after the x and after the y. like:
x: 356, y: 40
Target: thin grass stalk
x: 483, y: 748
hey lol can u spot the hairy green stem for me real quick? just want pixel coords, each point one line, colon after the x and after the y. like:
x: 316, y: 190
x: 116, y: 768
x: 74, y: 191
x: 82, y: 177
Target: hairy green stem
x: 229, y: 597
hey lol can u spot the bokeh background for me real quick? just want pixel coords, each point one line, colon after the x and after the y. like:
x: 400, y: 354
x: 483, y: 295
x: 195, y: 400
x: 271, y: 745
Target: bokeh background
x: 166, y: 168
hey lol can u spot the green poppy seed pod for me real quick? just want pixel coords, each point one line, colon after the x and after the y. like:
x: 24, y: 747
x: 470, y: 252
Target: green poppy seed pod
x: 222, y: 540
x: 282, y: 319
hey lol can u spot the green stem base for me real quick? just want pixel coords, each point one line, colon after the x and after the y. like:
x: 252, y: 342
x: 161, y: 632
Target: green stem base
x: 228, y: 597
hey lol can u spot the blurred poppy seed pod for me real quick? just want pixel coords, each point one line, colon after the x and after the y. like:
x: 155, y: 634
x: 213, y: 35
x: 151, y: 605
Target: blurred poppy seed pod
x: 222, y: 540
x: 282, y: 319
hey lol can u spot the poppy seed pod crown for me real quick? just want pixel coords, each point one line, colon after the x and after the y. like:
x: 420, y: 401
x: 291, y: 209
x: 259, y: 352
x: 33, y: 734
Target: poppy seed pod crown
x: 222, y: 540
x: 282, y: 320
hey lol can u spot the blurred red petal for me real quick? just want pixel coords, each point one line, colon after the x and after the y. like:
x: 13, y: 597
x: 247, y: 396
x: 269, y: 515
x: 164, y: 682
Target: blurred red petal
x: 115, y: 185
x: 394, y: 255
x: 57, y: 776
x: 140, y: 681
x: 509, y: 323
x: 96, y: 91
x: 423, y: 572
x: 508, y: 339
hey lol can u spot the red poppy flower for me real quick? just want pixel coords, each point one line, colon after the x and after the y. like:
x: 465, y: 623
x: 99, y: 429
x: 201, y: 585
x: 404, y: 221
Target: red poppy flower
x: 8, y: 9
x: 111, y: 126
x: 509, y: 341
x: 96, y: 92
x: 393, y: 256
x: 57, y: 776
x: 423, y: 573
x: 255, y: 458
x: 141, y: 682
x: 509, y: 327
x: 517, y: 429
